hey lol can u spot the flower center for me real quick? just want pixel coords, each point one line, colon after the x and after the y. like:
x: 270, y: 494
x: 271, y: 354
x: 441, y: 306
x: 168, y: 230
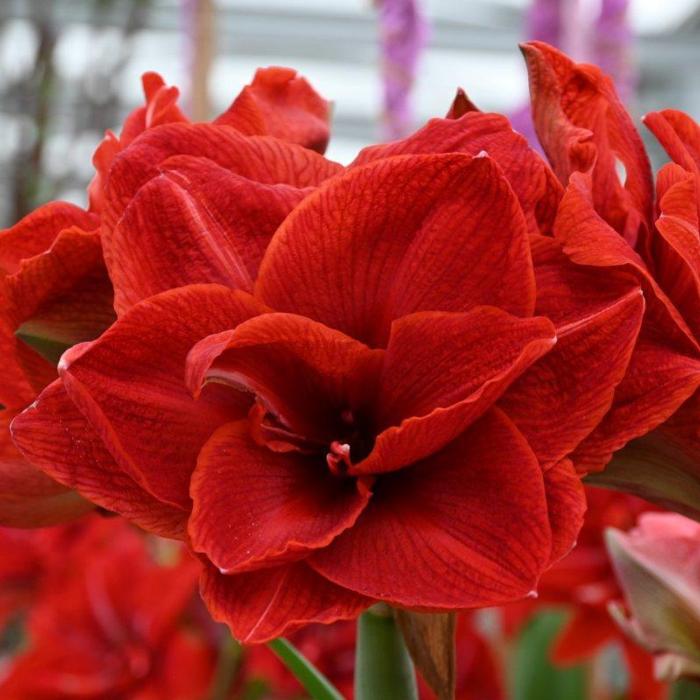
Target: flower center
x: 350, y: 444
x: 338, y: 459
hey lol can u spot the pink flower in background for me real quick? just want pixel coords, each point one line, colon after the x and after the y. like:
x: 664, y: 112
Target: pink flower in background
x: 658, y: 567
x: 403, y: 33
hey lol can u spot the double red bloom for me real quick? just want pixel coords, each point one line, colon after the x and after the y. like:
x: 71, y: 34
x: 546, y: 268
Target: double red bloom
x: 360, y: 413
x: 349, y: 385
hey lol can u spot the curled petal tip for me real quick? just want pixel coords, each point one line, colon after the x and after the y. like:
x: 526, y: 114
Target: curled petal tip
x: 70, y: 355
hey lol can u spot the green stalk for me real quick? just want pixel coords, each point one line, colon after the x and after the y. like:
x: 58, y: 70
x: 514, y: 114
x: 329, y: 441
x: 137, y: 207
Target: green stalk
x: 317, y: 685
x: 383, y: 667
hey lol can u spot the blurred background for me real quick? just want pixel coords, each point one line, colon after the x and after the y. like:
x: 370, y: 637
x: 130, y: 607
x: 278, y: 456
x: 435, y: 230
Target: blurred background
x: 69, y: 69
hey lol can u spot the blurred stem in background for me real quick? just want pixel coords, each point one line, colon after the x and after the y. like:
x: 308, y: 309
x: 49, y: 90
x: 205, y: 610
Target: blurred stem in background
x: 40, y: 84
x: 200, y: 36
x: 40, y: 97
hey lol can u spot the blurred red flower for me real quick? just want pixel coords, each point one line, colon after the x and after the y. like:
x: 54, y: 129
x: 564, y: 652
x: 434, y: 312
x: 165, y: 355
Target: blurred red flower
x: 107, y: 621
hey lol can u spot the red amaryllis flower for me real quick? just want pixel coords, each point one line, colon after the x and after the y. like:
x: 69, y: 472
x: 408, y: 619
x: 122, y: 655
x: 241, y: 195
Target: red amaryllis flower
x: 349, y: 432
x: 108, y: 623
x: 584, y: 583
x: 369, y: 409
x: 607, y: 221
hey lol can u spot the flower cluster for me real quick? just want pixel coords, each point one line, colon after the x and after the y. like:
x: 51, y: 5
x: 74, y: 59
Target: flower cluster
x: 344, y: 385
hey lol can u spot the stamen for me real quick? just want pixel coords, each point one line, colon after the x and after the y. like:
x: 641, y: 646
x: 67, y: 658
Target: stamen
x: 338, y: 459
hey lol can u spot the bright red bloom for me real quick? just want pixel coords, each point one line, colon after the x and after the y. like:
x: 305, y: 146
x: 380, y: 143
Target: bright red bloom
x: 376, y: 399
x: 607, y: 221
x: 29, y: 557
x: 108, y: 623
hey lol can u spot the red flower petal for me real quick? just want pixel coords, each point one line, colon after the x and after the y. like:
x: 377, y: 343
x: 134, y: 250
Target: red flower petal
x: 588, y: 240
x: 283, y: 104
x: 259, y: 158
x: 567, y: 292
x: 563, y: 397
x: 367, y: 247
x: 24, y: 371
x: 465, y: 528
x: 130, y: 385
x: 254, y: 507
x: 29, y: 498
x: 566, y: 503
x: 63, y: 293
x: 36, y: 232
x: 196, y: 222
x: 442, y: 371
x: 54, y: 436
x: 475, y: 132
x: 679, y: 134
x: 584, y: 635
x: 160, y: 108
x: 644, y: 684
x: 54, y: 286
x: 582, y: 125
x: 461, y: 105
x: 305, y: 373
x: 262, y: 605
x: 656, y: 384
x: 676, y: 245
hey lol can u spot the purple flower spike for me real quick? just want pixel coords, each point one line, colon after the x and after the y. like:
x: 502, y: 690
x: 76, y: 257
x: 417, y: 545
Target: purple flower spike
x: 403, y: 33
x: 613, y: 46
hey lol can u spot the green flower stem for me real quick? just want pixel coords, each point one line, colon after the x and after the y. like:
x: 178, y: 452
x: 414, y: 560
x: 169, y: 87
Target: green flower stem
x: 317, y: 685
x: 383, y: 667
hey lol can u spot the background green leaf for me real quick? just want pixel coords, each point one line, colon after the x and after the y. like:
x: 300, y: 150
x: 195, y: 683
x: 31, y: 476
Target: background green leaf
x: 535, y: 677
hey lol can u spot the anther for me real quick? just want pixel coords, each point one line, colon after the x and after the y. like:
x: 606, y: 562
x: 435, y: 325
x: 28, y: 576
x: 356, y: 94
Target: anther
x: 338, y: 459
